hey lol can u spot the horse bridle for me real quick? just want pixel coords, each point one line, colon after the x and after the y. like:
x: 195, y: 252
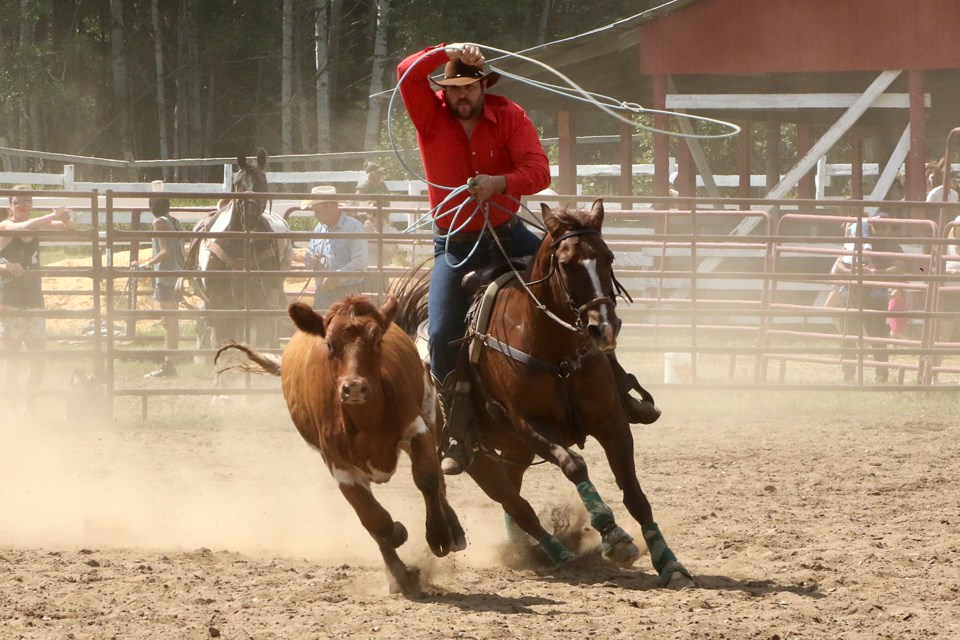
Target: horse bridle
x: 579, y: 310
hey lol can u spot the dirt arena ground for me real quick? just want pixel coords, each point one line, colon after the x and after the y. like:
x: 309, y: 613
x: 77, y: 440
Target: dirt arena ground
x: 824, y: 516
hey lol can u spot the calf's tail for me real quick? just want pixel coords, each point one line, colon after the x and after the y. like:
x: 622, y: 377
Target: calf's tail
x: 257, y: 362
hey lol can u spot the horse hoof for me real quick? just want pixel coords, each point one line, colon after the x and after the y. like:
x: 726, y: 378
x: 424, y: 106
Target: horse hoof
x: 618, y: 547
x: 623, y: 553
x: 676, y: 577
x: 565, y: 557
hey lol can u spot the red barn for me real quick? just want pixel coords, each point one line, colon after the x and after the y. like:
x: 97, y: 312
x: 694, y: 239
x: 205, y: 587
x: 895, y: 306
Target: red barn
x: 849, y: 70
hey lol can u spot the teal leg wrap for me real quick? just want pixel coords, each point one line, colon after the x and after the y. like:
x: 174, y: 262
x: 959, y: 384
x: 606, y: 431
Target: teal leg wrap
x: 601, y: 517
x: 664, y: 561
x: 515, y: 534
x: 555, y: 550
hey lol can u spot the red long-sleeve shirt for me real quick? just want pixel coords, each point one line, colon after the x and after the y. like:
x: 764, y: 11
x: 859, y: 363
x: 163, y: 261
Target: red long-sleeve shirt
x: 504, y: 142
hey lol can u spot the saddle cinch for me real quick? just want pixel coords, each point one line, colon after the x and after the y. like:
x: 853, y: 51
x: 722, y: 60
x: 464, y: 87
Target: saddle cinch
x: 493, y: 278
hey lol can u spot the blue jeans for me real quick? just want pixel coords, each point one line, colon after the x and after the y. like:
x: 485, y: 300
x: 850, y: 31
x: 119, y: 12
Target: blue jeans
x: 448, y: 303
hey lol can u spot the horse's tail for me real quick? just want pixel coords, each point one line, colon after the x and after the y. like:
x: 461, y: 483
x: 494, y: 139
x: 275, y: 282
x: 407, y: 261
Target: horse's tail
x: 411, y: 291
x: 261, y: 362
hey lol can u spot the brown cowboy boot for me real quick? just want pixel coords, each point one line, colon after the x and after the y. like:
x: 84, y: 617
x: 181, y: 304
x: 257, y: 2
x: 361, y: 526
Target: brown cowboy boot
x: 458, y: 415
x: 643, y: 411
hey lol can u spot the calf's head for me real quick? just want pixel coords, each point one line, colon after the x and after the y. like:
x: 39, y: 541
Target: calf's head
x: 353, y: 330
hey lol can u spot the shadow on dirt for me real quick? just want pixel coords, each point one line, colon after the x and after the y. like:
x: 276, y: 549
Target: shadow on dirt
x: 492, y: 602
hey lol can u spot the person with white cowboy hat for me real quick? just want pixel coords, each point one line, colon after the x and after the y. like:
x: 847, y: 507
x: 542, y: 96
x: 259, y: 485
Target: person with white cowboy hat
x: 329, y: 255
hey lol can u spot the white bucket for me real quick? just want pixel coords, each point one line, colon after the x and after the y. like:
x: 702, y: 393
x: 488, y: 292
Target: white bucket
x: 678, y: 368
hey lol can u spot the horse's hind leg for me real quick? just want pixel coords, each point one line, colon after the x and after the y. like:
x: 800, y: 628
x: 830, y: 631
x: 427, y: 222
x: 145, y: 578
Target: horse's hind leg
x: 620, y: 455
x: 490, y: 476
x: 389, y: 535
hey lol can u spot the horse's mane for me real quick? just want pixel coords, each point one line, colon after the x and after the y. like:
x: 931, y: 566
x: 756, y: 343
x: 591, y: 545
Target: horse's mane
x: 571, y: 218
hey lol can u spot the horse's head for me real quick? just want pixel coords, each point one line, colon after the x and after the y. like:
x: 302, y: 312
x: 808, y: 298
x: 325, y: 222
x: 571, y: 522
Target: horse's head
x: 583, y: 268
x: 251, y: 176
x: 353, y: 330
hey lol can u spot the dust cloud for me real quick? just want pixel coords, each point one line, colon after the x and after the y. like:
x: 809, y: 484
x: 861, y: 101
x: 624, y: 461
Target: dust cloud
x: 234, y: 478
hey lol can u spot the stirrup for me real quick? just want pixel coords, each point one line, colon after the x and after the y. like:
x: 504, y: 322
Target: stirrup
x: 456, y: 459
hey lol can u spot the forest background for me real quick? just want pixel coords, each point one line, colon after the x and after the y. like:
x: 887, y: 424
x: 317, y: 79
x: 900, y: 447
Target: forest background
x: 145, y: 79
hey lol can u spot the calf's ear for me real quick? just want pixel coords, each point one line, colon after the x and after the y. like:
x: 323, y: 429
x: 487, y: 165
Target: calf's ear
x: 306, y: 319
x: 387, y: 312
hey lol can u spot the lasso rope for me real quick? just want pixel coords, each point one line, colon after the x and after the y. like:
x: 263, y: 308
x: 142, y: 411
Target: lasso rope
x: 606, y: 104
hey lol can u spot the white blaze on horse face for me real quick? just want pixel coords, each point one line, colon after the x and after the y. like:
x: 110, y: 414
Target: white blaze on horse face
x: 591, y: 267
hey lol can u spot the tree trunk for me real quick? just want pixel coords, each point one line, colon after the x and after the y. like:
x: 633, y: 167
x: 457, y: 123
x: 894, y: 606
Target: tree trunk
x: 121, y: 91
x: 194, y: 69
x: 286, y: 80
x: 375, y: 101
x: 320, y: 37
x: 544, y: 22
x: 28, y: 133
x: 161, y: 76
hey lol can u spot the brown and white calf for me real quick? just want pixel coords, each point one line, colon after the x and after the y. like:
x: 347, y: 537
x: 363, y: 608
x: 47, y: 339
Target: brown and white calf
x: 358, y: 392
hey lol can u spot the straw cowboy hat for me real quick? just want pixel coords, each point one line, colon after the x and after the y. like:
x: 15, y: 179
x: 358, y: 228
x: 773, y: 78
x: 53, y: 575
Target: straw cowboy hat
x: 323, y: 190
x: 456, y: 72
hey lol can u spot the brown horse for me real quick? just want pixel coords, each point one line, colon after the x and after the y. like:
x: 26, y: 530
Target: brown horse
x: 542, y: 382
x: 358, y: 392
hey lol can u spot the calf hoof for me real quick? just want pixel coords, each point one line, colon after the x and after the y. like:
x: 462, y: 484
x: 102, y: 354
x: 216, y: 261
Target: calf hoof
x: 398, y: 536
x: 459, y: 540
x: 407, y: 583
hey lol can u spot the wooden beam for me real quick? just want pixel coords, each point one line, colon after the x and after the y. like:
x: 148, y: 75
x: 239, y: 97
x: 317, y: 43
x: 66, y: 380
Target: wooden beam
x: 916, y: 186
x: 661, y: 143
x: 696, y: 152
x: 856, y: 168
x: 819, y: 149
x: 744, y: 144
x: 626, y: 159
x: 785, y: 101
x: 805, y: 187
x: 567, y: 180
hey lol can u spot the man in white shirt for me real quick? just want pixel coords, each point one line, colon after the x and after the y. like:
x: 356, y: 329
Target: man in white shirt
x: 328, y: 255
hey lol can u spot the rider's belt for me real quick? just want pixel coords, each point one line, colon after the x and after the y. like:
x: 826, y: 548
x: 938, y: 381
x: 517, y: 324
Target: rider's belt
x: 473, y: 236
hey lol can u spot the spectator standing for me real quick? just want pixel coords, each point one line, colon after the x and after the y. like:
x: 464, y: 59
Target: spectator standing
x: 167, y: 256
x: 870, y: 296
x: 372, y: 183
x: 21, y: 288
x: 935, y: 183
x: 327, y: 255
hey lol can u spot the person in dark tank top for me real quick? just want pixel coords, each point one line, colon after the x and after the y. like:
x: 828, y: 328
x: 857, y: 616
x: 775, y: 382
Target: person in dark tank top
x: 21, y: 290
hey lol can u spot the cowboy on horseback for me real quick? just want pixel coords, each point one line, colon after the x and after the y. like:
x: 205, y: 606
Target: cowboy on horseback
x: 487, y: 143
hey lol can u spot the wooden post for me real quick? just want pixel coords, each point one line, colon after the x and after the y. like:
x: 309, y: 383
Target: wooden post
x: 856, y: 168
x: 626, y: 159
x: 661, y: 143
x: 773, y: 152
x: 567, y: 179
x: 686, y: 174
x: 744, y: 144
x: 916, y: 180
x: 805, y: 186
